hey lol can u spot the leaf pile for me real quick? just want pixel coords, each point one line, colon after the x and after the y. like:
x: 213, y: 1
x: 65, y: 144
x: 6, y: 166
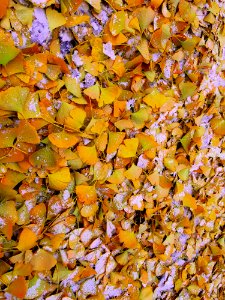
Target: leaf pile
x: 112, y: 149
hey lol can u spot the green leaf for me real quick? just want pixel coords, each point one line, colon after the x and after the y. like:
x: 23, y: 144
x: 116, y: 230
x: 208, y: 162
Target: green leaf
x: 7, y: 52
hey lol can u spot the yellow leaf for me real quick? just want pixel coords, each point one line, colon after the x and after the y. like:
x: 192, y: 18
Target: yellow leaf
x: 109, y: 95
x: 89, y: 210
x: 147, y: 141
x: 115, y: 139
x: 129, y: 148
x: 76, y: 118
x: 146, y: 293
x: 93, y: 92
x: 43, y: 261
x: 27, y: 240
x: 155, y: 99
x: 189, y: 201
x: 88, y: 154
x: 129, y: 239
x: 143, y: 47
x: 73, y: 86
x: 60, y: 179
x: 117, y: 177
x: 63, y: 139
x: 117, y: 22
x: 133, y: 172
x: 145, y: 16
x: 27, y: 133
x: 96, y: 4
x: 13, y: 98
x: 86, y: 193
x: 76, y: 20
x: 55, y: 19
x: 218, y: 125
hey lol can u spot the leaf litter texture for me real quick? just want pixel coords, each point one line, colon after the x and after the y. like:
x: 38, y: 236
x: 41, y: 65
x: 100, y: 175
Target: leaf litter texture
x: 112, y: 149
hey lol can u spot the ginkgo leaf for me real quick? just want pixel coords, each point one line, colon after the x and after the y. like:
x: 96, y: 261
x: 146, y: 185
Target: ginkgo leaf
x: 18, y: 287
x: 147, y: 141
x: 55, y: 19
x: 76, y: 118
x: 27, y: 133
x: 187, y: 89
x: 129, y: 239
x: 13, y: 98
x: 12, y: 178
x: 109, y: 95
x: 93, y: 92
x: 129, y: 148
x: 117, y: 22
x: 146, y: 292
x: 88, y: 154
x: 115, y: 139
x: 73, y: 86
x: 7, y: 51
x: 63, y: 139
x: 27, y: 239
x: 86, y: 194
x: 7, y: 137
x: 145, y: 16
x: 96, y: 4
x: 133, y: 172
x: 44, y: 157
x: 3, y: 7
x: 143, y: 47
x: 117, y: 177
x: 189, y: 201
x: 218, y: 125
x: 140, y: 117
x: 43, y: 261
x: 155, y: 99
x: 60, y: 179
x: 89, y: 210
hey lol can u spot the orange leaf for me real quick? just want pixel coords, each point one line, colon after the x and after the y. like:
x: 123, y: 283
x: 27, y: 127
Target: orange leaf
x: 128, y: 238
x: 86, y: 194
x: 27, y: 240
x: 43, y: 261
x: 88, y: 154
x: 63, y: 139
x: 189, y: 201
x: 27, y: 133
x: 18, y: 287
x: 3, y: 7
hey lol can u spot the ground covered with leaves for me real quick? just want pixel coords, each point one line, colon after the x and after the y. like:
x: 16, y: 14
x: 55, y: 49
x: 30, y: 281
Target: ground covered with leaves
x: 112, y: 149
